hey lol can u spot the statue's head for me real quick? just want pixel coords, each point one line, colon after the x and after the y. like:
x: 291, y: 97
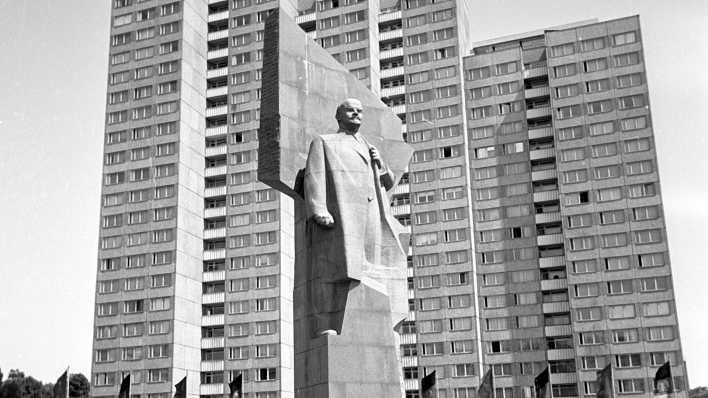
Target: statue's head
x: 349, y: 115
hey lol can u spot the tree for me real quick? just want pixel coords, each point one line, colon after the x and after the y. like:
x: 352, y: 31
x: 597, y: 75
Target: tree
x: 79, y: 386
x: 698, y: 392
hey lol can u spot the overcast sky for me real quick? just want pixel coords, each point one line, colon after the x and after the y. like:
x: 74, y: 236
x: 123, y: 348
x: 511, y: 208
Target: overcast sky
x: 53, y: 63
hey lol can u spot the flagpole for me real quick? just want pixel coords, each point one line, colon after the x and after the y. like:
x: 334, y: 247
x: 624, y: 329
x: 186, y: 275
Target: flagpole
x: 68, y: 377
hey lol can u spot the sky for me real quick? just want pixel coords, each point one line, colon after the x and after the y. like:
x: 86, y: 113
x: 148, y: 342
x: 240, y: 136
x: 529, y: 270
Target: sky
x: 53, y: 63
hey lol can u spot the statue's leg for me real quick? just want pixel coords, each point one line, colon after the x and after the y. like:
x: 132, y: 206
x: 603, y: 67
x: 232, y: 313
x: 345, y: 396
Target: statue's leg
x: 330, y: 304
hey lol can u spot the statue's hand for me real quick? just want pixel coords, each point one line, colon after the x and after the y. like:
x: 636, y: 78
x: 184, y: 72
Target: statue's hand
x: 324, y: 220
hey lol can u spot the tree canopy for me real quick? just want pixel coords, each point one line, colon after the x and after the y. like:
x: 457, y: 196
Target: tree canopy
x: 18, y: 385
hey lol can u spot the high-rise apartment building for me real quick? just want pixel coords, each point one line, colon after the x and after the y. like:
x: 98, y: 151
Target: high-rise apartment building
x: 570, y: 240
x: 192, y: 279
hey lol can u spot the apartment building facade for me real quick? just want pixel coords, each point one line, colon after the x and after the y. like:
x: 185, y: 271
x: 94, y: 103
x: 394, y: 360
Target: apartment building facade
x: 192, y: 279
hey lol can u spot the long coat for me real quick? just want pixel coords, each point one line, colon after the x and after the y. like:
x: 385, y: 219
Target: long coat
x: 341, y: 179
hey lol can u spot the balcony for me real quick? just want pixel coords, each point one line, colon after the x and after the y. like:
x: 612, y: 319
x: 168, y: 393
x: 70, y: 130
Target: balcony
x: 215, y: 212
x: 219, y: 72
x: 408, y: 338
x: 410, y: 384
x: 219, y: 34
x: 545, y: 196
x: 402, y: 209
x: 542, y: 218
x: 215, y: 171
x: 409, y: 361
x: 305, y: 18
x: 542, y: 153
x: 558, y: 330
x: 312, y: 35
x: 217, y: 111
x: 552, y: 239
x: 538, y: 112
x: 216, y: 150
x: 537, y: 92
x: 549, y: 262
x: 213, y: 276
x: 391, y: 91
x: 218, y: 16
x: 391, y: 34
x: 215, y: 233
x: 565, y: 353
x: 541, y: 175
x: 393, y: 53
x: 213, y: 320
x: 564, y: 378
x: 399, y: 109
x: 390, y: 16
x: 554, y: 284
x: 555, y: 308
x: 535, y: 72
x: 211, y: 389
x: 397, y: 71
x: 540, y: 133
x: 212, y: 342
x: 217, y: 91
x: 411, y: 316
x: 215, y: 191
x: 214, y: 131
x: 216, y: 254
x: 213, y: 298
x: 402, y: 189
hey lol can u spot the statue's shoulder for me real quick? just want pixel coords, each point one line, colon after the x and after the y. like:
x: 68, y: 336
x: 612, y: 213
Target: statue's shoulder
x: 330, y: 137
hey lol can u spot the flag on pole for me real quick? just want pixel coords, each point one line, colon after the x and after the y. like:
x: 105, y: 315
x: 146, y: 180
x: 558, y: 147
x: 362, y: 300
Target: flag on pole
x: 486, y: 389
x: 540, y: 383
x: 663, y: 382
x: 125, y: 387
x: 61, y: 387
x: 236, y: 387
x: 181, y: 388
x: 427, y: 384
x: 605, y: 383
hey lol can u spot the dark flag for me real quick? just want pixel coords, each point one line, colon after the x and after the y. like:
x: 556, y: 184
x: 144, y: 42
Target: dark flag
x: 486, y: 389
x: 236, y: 387
x: 125, y: 387
x: 663, y: 382
x: 540, y: 383
x: 605, y: 385
x: 181, y: 388
x: 61, y: 387
x: 427, y: 384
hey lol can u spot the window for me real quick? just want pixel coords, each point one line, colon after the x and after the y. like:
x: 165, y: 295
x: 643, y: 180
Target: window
x: 563, y: 49
x: 567, y: 112
x: 596, y: 86
x: 630, y: 386
x: 660, y: 333
x: 479, y: 73
x: 570, y: 90
x: 591, y: 338
x: 570, y: 155
x: 647, y: 236
x: 651, y: 260
x: 604, y: 172
x: 586, y: 290
x: 609, y: 194
x: 654, y: 284
x: 588, y: 314
x: 661, y: 308
x: 626, y: 59
x: 597, y: 43
x: 506, y: 68
x: 645, y: 213
x: 160, y: 304
x: 575, y: 176
x: 565, y: 70
x: 624, y: 38
x: 354, y: 17
x: 597, y: 107
x: 570, y: 133
x: 594, y: 65
x: 631, y: 80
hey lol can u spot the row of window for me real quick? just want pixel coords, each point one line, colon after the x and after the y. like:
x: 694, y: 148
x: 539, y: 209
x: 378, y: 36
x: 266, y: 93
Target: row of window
x: 426, y: 75
x: 246, y: 240
x: 144, y: 53
x: 620, y: 239
x: 259, y: 282
x: 445, y: 215
x: 134, y: 283
x: 243, y: 307
x: 423, y: 38
x: 606, y: 149
x: 602, y: 128
x: 324, y: 5
x: 132, y: 353
x: 142, y: 112
x: 160, y: 375
x: 135, y: 154
x: 429, y: 18
x: 141, y: 174
x: 418, y: 97
x: 597, y: 64
x: 633, y: 386
x: 443, y: 173
x: 613, y: 216
x: 145, y: 14
x: 136, y: 261
x: 593, y: 44
x: 445, y: 152
x: 435, y: 54
x: 599, y: 107
x: 144, y: 34
x: 123, y: 96
x: 139, y: 195
x: 443, y: 371
x: 138, y: 239
x: 435, y: 259
x: 450, y: 324
x: 651, y: 334
x: 345, y: 38
x: 345, y: 19
x: 441, y: 132
x: 609, y: 171
x: 450, y: 302
x: 143, y: 72
x: 134, y: 306
x: 445, y: 236
x: 138, y: 217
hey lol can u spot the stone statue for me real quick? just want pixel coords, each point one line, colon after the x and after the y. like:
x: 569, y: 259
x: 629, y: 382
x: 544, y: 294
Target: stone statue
x: 352, y: 237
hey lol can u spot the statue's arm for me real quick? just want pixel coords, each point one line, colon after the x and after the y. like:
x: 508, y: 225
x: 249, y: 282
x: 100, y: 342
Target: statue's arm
x: 315, y: 184
x: 387, y: 178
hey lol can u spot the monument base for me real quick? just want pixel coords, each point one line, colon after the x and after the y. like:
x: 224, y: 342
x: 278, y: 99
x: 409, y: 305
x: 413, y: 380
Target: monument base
x: 361, y: 362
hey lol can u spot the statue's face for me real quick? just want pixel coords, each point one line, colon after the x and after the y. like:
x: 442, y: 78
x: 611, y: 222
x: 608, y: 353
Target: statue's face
x: 350, y: 114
